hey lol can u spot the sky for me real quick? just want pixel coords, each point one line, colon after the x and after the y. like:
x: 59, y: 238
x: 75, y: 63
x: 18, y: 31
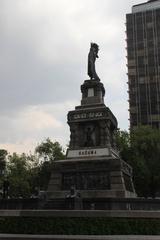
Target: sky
x: 43, y: 61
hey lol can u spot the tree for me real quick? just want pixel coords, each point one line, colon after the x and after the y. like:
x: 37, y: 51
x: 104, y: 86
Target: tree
x: 123, y: 144
x: 141, y: 149
x: 27, y: 174
x: 3, y: 155
x: 19, y: 175
x: 145, y: 145
x: 49, y: 151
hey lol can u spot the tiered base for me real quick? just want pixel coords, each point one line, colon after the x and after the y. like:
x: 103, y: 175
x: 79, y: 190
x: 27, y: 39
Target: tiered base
x: 91, y: 179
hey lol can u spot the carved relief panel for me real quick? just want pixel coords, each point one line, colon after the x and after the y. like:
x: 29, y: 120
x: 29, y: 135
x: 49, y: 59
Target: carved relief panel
x: 86, y: 180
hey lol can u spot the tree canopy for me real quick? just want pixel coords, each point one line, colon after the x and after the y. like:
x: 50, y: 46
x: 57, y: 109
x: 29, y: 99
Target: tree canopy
x: 50, y: 150
x: 27, y: 174
x: 141, y: 149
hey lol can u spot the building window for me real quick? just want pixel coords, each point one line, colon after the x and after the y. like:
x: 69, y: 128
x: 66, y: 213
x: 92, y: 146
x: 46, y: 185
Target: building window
x: 142, y: 80
x: 150, y: 25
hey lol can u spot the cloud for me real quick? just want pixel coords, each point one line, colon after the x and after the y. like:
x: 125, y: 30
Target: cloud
x: 35, y: 119
x: 34, y: 124
x: 43, y: 62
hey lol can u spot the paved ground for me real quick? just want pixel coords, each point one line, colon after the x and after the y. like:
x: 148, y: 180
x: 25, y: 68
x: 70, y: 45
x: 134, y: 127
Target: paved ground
x: 71, y: 237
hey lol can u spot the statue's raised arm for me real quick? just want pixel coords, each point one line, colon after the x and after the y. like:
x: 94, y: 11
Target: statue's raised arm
x: 93, y: 54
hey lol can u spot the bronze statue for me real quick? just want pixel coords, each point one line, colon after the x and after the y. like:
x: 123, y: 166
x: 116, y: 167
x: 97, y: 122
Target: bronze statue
x: 93, y: 54
x: 89, y: 137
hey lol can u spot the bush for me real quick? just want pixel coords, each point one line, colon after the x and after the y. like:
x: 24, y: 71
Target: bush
x: 79, y: 226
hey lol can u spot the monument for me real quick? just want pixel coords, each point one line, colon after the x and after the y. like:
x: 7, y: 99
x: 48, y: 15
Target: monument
x: 93, y: 169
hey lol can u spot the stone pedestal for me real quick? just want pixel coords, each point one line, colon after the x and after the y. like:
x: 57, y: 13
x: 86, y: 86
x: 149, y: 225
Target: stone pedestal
x: 97, y: 176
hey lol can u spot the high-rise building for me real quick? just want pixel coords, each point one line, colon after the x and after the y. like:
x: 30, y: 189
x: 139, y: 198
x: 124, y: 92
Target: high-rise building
x: 143, y: 54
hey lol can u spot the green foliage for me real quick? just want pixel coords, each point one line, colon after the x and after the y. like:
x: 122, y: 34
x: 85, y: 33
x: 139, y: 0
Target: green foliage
x: 3, y: 156
x: 141, y: 149
x: 18, y: 172
x: 123, y: 143
x: 50, y: 150
x: 79, y: 226
x: 27, y: 174
x: 145, y: 144
x: 45, y: 169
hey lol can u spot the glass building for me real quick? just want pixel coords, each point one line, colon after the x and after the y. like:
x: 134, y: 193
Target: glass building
x: 143, y: 60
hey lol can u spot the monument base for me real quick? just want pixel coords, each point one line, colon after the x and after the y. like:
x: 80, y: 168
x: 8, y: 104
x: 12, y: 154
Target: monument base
x: 93, y: 173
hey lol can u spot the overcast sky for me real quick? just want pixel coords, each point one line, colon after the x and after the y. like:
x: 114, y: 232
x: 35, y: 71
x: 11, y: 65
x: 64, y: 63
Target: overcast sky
x: 43, y: 61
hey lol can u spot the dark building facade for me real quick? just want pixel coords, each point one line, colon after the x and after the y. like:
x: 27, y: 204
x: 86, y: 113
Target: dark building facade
x: 143, y: 54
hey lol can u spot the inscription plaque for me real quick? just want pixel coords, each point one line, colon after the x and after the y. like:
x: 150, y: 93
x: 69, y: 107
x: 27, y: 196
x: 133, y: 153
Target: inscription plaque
x: 88, y: 152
